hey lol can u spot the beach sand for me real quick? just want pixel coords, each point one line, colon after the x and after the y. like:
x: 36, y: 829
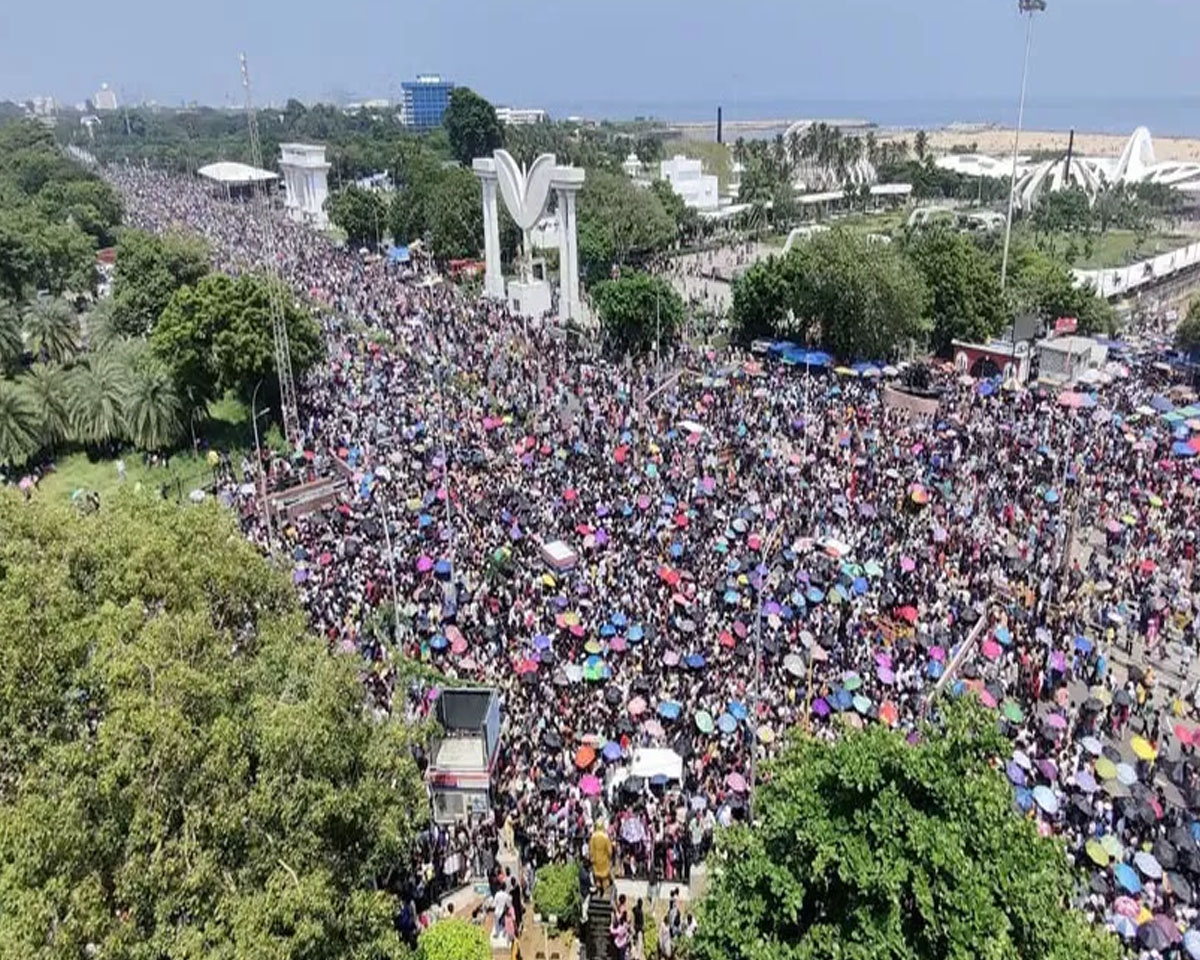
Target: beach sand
x: 998, y: 142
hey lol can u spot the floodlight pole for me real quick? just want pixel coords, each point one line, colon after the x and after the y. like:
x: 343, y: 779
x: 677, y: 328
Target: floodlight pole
x: 1028, y: 7
x: 768, y: 545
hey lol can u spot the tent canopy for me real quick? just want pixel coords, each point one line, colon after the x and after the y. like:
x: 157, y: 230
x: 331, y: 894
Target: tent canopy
x: 233, y: 174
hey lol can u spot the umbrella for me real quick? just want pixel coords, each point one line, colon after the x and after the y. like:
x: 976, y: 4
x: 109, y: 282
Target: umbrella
x: 585, y: 756
x: 589, y: 786
x: 653, y: 728
x: 669, y: 710
x: 633, y: 785
x: 1142, y: 748
x: 1124, y: 926
x: 441, y: 568
x: 1047, y: 769
x: 1126, y: 774
x: 704, y: 721
x: 1126, y: 878
x: 1148, y: 864
x: 1191, y: 943
x: 1085, y: 781
x: 694, y: 661
x: 736, y: 782
x: 851, y: 681
x: 1179, y: 887
x: 637, y: 706
x: 820, y: 707
x: 1044, y: 797
x: 1096, y: 853
x: 793, y: 665
x: 990, y: 649
x: 726, y: 723
x: 611, y: 751
x: 737, y: 710
x: 1151, y: 936
x: 861, y: 704
x: 1015, y: 773
x: 1012, y: 711
x: 1106, y: 769
x: 1092, y: 745
x: 1165, y: 854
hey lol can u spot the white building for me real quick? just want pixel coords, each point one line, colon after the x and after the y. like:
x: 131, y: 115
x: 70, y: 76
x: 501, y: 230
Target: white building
x: 688, y: 179
x: 520, y: 116
x: 305, y: 172
x: 105, y: 98
x: 1063, y: 360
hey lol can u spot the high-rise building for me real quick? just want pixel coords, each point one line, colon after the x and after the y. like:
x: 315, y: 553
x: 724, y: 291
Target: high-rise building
x: 520, y: 116
x: 105, y: 98
x: 425, y: 101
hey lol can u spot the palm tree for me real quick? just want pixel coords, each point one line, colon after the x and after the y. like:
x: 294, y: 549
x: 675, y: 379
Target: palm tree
x: 872, y: 148
x: 100, y: 326
x: 795, y: 149
x: 96, y: 399
x: 53, y: 330
x: 11, y: 342
x: 18, y: 426
x: 152, y: 409
x: 45, y: 389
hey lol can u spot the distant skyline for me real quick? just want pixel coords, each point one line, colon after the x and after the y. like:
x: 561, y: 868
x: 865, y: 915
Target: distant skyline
x: 621, y: 57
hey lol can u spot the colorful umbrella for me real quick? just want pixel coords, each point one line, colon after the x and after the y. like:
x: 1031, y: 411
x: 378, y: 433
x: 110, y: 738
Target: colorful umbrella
x: 704, y: 721
x: 1143, y: 749
x: 589, y: 786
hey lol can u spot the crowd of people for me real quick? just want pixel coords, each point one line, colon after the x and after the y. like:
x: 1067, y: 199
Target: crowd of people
x: 756, y: 547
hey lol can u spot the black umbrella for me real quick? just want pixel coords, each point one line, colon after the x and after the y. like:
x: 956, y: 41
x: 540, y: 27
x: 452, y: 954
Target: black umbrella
x: 971, y: 671
x: 547, y: 785
x: 682, y: 746
x: 1122, y: 698
x: 1082, y: 806
x: 1151, y: 936
x: 1099, y: 884
x: 625, y: 727
x: 1165, y: 854
x: 1179, y: 886
x: 995, y: 689
x: 1112, y: 753
x: 613, y: 696
x: 552, y: 740
x: 1136, y: 673
x: 1140, y: 791
x: 1092, y: 705
x: 633, y: 785
x: 1181, y: 840
x: 640, y: 686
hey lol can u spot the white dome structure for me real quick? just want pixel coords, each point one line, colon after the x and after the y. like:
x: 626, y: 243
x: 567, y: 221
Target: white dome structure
x: 1137, y: 164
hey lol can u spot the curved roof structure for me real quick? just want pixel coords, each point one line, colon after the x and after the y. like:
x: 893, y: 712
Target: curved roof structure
x: 235, y: 174
x: 1136, y: 164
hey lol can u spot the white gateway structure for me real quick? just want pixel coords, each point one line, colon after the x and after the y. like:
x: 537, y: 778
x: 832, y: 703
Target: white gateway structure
x: 305, y: 178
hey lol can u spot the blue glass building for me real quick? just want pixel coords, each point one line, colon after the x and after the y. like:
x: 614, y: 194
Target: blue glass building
x: 425, y: 101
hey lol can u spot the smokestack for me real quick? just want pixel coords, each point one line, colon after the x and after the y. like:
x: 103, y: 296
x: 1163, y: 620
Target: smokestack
x: 719, y: 125
x: 1070, y: 154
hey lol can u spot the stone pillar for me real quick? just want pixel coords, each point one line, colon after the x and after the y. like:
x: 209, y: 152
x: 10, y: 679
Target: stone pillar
x: 564, y: 257
x: 493, y: 279
x: 573, y: 247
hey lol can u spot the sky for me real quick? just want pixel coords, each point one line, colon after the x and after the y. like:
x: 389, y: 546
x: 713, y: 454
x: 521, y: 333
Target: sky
x: 614, y: 57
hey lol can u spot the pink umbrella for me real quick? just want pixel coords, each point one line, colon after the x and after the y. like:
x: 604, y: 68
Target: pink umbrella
x: 991, y: 650
x: 883, y: 660
x: 754, y: 541
x: 589, y: 786
x: 637, y: 706
x: 736, y: 782
x: 570, y: 495
x: 908, y: 564
x: 1057, y: 721
x: 643, y: 502
x: 424, y: 563
x: 325, y: 559
x: 653, y: 728
x: 617, y: 645
x: 1126, y: 907
x: 937, y: 653
x: 671, y: 658
x: 987, y: 699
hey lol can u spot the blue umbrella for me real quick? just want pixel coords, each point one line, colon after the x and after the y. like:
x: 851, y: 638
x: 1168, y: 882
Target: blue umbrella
x: 442, y: 568
x: 840, y: 700
x: 726, y: 723
x: 438, y: 642
x: 541, y: 642
x: 424, y: 520
x: 1181, y: 449
x: 1123, y: 926
x: 1050, y: 496
x: 959, y: 688
x: 861, y: 704
x: 1127, y: 879
x: 1044, y: 797
x: 860, y: 585
x: 814, y: 595
x: 619, y: 620
x: 635, y: 634
x: 1191, y: 943
x: 1003, y: 635
x: 608, y: 630
x: 677, y: 549
x: 1083, y: 645
x: 732, y: 596
x: 611, y: 751
x: 693, y: 661
x: 1161, y: 404
x: 1015, y: 773
x: 737, y: 710
x: 669, y: 710
x: 934, y: 670
x: 1024, y: 799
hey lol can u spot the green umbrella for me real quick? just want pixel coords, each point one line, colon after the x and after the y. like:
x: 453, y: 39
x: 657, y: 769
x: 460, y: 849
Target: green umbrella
x: 852, y: 682
x: 1096, y: 853
x: 872, y: 569
x: 704, y: 721
x: 1112, y: 846
x: 1012, y: 712
x: 1105, y: 768
x: 594, y: 672
x: 861, y: 704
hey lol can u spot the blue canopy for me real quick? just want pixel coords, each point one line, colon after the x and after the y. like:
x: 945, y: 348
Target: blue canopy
x: 398, y: 254
x: 1161, y: 404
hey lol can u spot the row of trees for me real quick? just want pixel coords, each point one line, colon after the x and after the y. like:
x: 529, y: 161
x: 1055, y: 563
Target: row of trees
x: 862, y: 299
x: 54, y: 214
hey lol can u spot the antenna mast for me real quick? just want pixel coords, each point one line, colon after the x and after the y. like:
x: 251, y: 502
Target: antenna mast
x: 283, y: 353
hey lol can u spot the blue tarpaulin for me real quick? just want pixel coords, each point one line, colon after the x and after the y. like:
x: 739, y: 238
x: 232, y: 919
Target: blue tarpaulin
x: 398, y: 254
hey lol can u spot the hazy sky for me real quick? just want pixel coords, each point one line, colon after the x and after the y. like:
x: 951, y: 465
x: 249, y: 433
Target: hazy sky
x: 572, y: 53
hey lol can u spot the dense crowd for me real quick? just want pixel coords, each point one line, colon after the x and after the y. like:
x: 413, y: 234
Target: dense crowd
x: 758, y: 548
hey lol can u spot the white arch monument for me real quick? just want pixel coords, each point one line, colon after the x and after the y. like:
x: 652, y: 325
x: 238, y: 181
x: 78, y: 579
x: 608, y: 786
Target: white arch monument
x: 526, y: 194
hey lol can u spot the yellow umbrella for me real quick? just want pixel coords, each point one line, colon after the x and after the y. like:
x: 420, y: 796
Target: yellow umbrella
x: 1096, y: 853
x: 843, y: 371
x: 766, y: 734
x: 571, y: 619
x: 413, y: 504
x: 1103, y: 694
x: 654, y: 448
x: 1155, y: 500
x: 1143, y: 749
x: 1129, y: 520
x: 1106, y: 769
x: 547, y: 580
x: 1143, y: 915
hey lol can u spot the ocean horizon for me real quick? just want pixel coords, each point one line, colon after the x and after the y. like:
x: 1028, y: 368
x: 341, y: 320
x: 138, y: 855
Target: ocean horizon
x: 1165, y: 117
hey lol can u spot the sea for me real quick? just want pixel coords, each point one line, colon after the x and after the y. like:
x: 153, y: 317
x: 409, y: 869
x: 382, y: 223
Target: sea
x: 1165, y: 117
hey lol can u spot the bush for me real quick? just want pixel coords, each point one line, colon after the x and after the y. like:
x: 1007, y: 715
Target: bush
x: 556, y: 893
x: 454, y: 939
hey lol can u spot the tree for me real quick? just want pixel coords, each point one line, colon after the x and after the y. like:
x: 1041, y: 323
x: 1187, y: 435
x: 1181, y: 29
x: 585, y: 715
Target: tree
x: 187, y: 772
x: 867, y: 846
x: 921, y: 145
x: 1187, y: 334
x: 762, y: 299
x: 12, y: 344
x: 454, y: 939
x: 1041, y: 285
x: 362, y: 214
x: 471, y: 125
x: 153, y: 412
x: 864, y: 298
x: 52, y: 330
x: 149, y: 269
x: 217, y: 336
x: 619, y: 223
x: 637, y: 310
x: 18, y: 426
x: 98, y: 391
x: 967, y: 302
x: 456, y: 219
x: 46, y: 390
x: 687, y: 220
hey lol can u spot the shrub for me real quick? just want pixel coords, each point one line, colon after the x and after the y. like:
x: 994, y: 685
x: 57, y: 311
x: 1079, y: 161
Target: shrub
x: 556, y: 893
x: 454, y: 939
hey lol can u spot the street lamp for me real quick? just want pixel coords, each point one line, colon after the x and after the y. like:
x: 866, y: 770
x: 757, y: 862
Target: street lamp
x: 1029, y: 7
x: 255, y: 413
x: 768, y: 546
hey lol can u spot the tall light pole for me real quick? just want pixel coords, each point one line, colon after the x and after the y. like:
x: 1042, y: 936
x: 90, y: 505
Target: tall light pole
x: 255, y: 413
x: 768, y: 546
x: 1029, y: 7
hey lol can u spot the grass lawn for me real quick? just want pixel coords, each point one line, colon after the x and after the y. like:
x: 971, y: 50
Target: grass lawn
x: 227, y: 428
x: 885, y: 222
x: 1116, y: 248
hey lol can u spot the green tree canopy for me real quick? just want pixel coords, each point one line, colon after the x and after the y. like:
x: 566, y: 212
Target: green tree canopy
x: 362, y: 214
x: 619, y: 223
x: 471, y: 125
x: 868, y: 847
x: 187, y: 773
x: 636, y: 309
x: 762, y: 299
x: 964, y: 285
x: 454, y: 939
x: 1045, y: 286
x: 1187, y: 334
x: 150, y: 267
x: 216, y: 336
